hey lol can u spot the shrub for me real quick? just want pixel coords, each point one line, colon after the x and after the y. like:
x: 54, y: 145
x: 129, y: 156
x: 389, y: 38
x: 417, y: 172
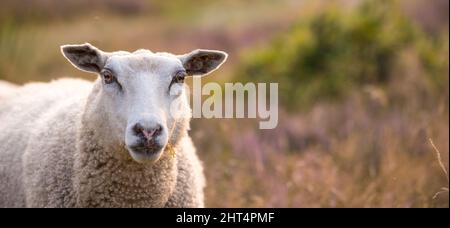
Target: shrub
x: 331, y: 53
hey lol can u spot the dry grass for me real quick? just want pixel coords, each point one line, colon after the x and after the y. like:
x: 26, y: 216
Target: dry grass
x: 441, y: 164
x: 334, y: 156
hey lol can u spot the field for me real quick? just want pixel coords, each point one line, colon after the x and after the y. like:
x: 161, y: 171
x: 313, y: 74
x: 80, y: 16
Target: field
x: 364, y: 89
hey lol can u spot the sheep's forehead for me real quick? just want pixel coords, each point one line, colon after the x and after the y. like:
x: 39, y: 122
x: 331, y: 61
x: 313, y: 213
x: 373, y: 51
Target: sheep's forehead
x: 143, y: 61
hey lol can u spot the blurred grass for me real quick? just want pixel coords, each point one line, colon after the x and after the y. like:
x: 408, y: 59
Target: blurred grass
x: 175, y: 26
x: 362, y: 88
x: 363, y: 85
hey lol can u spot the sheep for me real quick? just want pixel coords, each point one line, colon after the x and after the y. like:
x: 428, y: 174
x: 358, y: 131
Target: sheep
x: 115, y: 142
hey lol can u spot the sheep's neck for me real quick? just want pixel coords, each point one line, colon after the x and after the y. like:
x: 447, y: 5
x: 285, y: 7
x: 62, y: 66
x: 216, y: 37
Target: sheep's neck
x: 106, y: 176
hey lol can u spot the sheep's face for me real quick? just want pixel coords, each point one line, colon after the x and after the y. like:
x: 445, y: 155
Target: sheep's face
x: 142, y: 93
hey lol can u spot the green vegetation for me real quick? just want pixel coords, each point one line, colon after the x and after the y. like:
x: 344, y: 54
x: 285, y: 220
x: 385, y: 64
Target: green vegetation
x: 334, y: 52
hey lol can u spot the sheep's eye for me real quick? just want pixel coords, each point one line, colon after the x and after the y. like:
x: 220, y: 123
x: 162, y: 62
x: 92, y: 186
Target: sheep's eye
x: 108, y: 78
x: 179, y: 77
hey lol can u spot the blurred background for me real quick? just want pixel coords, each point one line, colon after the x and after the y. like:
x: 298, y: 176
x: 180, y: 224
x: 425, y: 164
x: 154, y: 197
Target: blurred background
x: 364, y: 85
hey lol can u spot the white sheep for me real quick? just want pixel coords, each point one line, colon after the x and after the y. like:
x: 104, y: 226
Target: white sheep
x: 112, y: 143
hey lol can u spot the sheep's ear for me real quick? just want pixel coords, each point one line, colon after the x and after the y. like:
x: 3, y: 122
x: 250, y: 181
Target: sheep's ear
x: 85, y: 57
x: 202, y: 62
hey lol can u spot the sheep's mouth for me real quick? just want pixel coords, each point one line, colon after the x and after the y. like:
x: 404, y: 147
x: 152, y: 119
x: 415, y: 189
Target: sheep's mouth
x: 145, y: 152
x: 145, y: 149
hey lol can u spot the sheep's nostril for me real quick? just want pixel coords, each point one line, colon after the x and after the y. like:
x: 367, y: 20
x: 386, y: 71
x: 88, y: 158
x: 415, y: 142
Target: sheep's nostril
x: 158, y: 130
x: 138, y: 129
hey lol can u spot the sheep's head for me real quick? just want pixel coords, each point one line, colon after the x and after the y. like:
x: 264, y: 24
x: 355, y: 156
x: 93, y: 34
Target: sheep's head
x: 142, y: 94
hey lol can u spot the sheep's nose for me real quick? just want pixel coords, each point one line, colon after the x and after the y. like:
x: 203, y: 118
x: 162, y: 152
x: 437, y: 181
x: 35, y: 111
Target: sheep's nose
x: 147, y: 133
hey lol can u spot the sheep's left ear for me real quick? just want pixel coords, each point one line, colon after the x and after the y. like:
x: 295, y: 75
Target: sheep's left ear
x: 85, y: 57
x: 202, y: 62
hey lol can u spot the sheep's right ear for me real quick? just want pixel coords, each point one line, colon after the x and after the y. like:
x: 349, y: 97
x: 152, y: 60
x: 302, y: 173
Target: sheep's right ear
x: 202, y: 62
x: 85, y: 57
